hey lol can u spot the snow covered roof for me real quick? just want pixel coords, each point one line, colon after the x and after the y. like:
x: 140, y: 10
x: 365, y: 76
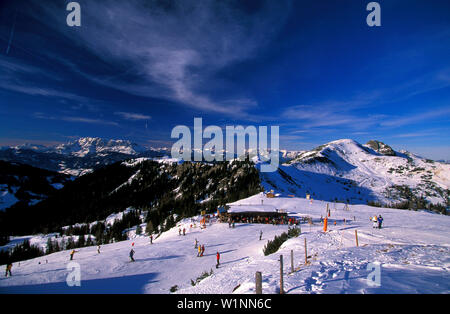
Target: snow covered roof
x: 252, y: 208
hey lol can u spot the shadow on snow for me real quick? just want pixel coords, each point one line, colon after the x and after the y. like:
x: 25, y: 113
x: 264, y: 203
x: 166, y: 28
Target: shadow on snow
x: 119, y: 285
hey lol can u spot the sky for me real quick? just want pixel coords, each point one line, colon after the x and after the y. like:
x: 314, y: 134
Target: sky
x: 136, y: 69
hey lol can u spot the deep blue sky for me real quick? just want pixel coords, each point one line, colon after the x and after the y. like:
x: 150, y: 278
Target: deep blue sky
x: 135, y: 69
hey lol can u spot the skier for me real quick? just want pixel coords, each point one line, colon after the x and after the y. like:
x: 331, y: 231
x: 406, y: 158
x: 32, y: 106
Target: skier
x: 179, y: 231
x: 260, y: 235
x: 98, y: 249
x: 196, y: 243
x: 8, y: 270
x: 199, y: 251
x: 131, y: 255
x: 184, y: 231
x: 380, y: 221
x: 203, y: 250
x: 218, y: 259
x: 151, y: 239
x: 374, y: 221
x: 72, y: 253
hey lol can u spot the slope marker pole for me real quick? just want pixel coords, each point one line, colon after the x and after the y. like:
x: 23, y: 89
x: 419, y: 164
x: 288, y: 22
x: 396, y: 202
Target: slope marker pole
x: 258, y: 282
x: 292, y: 261
x: 306, y: 254
x: 281, y: 275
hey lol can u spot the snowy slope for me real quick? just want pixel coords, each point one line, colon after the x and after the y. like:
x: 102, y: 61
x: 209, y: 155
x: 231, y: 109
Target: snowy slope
x: 26, y: 184
x: 345, y: 170
x: 413, y: 250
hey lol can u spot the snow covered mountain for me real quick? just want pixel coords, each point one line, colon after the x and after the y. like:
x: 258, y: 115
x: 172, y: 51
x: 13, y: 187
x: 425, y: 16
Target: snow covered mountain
x: 27, y: 185
x: 342, y: 170
x: 347, y: 171
x: 80, y: 156
x: 89, y: 145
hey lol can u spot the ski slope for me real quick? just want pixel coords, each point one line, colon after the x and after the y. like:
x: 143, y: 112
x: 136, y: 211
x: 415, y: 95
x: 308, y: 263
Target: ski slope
x: 412, y: 250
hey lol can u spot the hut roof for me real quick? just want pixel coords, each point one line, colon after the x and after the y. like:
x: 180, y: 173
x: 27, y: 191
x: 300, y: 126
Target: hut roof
x: 252, y: 208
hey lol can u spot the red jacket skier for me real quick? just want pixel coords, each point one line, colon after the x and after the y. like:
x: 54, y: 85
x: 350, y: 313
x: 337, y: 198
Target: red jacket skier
x: 218, y: 259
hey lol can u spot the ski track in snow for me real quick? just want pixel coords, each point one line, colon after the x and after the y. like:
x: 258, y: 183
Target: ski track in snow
x: 412, y: 250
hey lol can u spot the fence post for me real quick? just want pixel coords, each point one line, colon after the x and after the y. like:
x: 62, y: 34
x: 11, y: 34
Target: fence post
x: 356, y: 237
x: 292, y: 261
x: 281, y: 275
x: 258, y: 282
x: 306, y: 254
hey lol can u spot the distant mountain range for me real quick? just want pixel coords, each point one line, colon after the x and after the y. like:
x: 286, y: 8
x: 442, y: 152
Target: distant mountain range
x: 78, y: 157
x: 343, y: 170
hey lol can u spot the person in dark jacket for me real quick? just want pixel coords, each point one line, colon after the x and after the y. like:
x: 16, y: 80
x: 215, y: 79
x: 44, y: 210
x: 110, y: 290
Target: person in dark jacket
x: 380, y: 221
x: 131, y: 255
x: 203, y: 250
x: 8, y: 270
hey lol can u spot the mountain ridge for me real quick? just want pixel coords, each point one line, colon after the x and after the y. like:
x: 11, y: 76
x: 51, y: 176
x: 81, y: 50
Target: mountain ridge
x: 80, y: 156
x: 345, y: 170
x: 341, y: 170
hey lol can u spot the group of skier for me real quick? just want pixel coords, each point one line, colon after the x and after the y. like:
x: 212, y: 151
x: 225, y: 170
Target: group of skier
x: 377, y: 221
x: 201, y: 251
x: 200, y: 248
x: 184, y: 231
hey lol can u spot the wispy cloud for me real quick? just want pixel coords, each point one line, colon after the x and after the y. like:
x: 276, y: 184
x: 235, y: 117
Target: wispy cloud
x: 350, y: 113
x: 417, y: 118
x: 40, y: 115
x: 414, y: 134
x: 329, y: 115
x: 21, y: 77
x: 173, y: 50
x: 132, y: 116
x: 89, y: 120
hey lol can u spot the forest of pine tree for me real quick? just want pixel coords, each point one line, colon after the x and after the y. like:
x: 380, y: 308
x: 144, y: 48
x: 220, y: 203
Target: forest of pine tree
x: 159, y: 190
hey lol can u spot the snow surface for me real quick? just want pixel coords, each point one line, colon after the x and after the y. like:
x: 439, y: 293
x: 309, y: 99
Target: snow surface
x: 7, y: 199
x: 412, y: 250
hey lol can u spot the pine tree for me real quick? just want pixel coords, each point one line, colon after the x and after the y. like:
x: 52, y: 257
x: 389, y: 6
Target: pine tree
x: 50, y: 248
x: 89, y: 241
x: 149, y: 227
x: 138, y: 230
